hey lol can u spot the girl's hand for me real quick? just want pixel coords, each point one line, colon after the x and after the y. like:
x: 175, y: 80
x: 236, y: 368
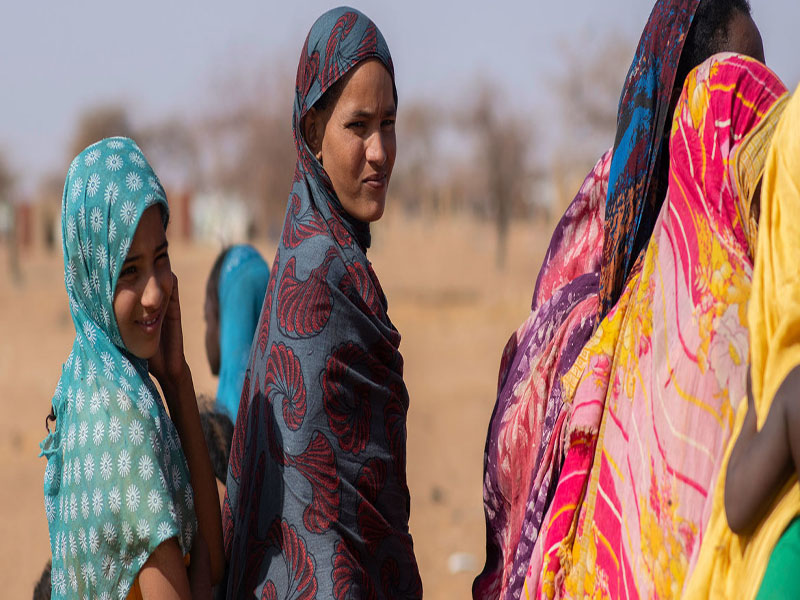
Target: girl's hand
x: 168, y: 365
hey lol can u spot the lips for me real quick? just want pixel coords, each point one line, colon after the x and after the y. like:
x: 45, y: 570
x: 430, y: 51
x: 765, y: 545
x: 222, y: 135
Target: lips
x: 378, y: 180
x: 150, y: 323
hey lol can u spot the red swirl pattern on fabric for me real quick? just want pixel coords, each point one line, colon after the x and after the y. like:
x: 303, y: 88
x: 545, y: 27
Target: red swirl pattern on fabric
x: 358, y: 286
x: 299, y: 227
x: 340, y: 233
x: 346, y: 398
x: 284, y: 384
x: 266, y: 310
x: 349, y: 579
x: 299, y: 565
x: 342, y: 28
x: 304, y: 307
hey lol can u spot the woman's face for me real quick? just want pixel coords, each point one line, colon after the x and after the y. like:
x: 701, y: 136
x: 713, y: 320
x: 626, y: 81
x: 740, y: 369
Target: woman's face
x: 144, y: 287
x: 355, y: 140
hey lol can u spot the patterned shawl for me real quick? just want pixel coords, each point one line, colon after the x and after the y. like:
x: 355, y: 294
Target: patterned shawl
x: 731, y: 565
x: 317, y: 501
x: 116, y: 483
x: 654, y: 392
x: 242, y: 284
x: 633, y: 188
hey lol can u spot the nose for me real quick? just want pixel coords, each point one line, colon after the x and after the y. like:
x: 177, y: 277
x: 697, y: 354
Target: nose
x: 376, y: 149
x: 153, y: 294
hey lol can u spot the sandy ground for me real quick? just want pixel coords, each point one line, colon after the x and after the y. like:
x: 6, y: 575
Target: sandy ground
x: 453, y: 308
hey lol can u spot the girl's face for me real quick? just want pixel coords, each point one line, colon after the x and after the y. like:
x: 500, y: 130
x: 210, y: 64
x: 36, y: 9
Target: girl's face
x: 144, y: 287
x: 356, y: 139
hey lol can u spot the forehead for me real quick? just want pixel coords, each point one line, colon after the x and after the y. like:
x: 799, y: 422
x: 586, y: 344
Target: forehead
x: 369, y: 86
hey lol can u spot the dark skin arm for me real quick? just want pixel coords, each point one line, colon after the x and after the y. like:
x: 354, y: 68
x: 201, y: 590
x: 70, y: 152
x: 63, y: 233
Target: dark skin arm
x: 172, y: 372
x: 761, y: 461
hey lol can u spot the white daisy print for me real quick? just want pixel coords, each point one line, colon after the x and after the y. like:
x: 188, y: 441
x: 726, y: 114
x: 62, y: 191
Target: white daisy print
x: 105, y: 397
x: 73, y: 579
x: 124, y: 463
x: 99, y: 433
x: 152, y: 182
x: 50, y: 508
x: 76, y: 471
x: 115, y: 145
x: 59, y: 582
x: 91, y: 157
x: 85, y: 505
x: 176, y: 477
x: 114, y: 429
x: 112, y: 193
x: 97, y: 502
x: 154, y: 501
x: 73, y: 507
x: 145, y: 467
x: 127, y: 532
x: 145, y: 399
x: 71, y: 272
x: 94, y: 540
x: 108, y: 567
x: 127, y: 213
x: 108, y: 363
x: 68, y: 473
x: 109, y: 533
x: 136, y: 159
x: 87, y: 288
x: 105, y: 466
x: 136, y: 433
x: 123, y: 400
x: 114, y: 162
x: 132, y: 496
x: 77, y: 188
x: 95, y: 278
x: 188, y: 497
x: 164, y: 531
x: 112, y: 235
x: 77, y: 373
x: 71, y: 435
x: 143, y: 529
x: 101, y: 254
x: 72, y: 167
x: 82, y: 540
x: 129, y: 369
x: 93, y: 185
x: 133, y: 181
x: 91, y: 335
x: 96, y: 219
x: 94, y: 403
x: 125, y: 245
x: 88, y: 467
x: 72, y: 229
x: 83, y: 428
x: 127, y: 562
x: 114, y: 500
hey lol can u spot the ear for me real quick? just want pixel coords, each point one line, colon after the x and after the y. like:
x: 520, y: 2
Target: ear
x: 313, y: 130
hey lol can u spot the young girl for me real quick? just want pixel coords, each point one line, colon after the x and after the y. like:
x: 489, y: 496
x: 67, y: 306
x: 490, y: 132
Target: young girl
x: 129, y: 490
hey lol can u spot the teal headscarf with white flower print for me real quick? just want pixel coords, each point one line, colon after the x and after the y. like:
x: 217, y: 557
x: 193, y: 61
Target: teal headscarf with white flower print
x: 116, y: 483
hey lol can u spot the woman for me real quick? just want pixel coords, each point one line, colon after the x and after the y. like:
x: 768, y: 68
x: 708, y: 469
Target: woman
x: 318, y: 501
x: 234, y: 294
x: 759, y: 494
x: 129, y: 490
x: 616, y: 205
x: 654, y: 391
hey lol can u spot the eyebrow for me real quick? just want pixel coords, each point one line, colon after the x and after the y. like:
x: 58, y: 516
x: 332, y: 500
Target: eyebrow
x: 365, y: 114
x: 134, y: 257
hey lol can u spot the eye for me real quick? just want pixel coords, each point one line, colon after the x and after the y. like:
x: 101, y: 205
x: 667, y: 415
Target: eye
x: 387, y: 123
x: 356, y: 125
x: 129, y: 270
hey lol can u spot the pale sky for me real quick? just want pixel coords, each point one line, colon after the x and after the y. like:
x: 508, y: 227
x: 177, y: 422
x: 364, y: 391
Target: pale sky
x: 159, y: 55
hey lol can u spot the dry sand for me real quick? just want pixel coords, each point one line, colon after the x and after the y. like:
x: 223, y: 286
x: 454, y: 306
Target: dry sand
x: 453, y: 308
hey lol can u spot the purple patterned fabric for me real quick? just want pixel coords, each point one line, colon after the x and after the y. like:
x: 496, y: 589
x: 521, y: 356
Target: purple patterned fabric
x: 317, y: 503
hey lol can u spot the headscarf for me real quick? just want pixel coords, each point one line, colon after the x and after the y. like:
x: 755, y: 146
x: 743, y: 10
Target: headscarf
x: 317, y: 499
x: 242, y: 284
x: 116, y: 483
x: 633, y: 188
x: 732, y: 565
x: 655, y: 391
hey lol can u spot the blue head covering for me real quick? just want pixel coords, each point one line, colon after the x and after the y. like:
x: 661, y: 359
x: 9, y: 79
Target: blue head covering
x: 633, y: 201
x: 116, y: 483
x: 317, y: 502
x: 242, y: 284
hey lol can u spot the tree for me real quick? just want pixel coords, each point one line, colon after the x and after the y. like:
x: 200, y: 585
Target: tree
x: 98, y: 122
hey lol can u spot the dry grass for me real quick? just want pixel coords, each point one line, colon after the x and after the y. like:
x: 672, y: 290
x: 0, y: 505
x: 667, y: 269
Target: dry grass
x: 454, y: 310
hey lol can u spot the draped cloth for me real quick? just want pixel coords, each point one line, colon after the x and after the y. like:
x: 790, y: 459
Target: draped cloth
x: 653, y: 394
x: 729, y: 564
x: 634, y: 190
x: 519, y: 465
x: 243, y: 281
x: 317, y: 502
x: 116, y: 483
x: 521, y: 459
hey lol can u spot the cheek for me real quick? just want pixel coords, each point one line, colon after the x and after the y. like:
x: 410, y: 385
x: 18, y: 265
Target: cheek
x: 124, y: 301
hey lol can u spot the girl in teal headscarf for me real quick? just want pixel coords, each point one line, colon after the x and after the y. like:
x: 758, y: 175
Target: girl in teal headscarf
x: 129, y: 491
x: 234, y: 294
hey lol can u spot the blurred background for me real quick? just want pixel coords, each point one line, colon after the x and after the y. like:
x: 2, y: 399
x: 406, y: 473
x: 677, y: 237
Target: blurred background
x: 503, y: 109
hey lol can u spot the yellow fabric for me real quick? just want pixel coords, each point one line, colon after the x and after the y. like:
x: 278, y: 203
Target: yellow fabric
x: 731, y: 566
